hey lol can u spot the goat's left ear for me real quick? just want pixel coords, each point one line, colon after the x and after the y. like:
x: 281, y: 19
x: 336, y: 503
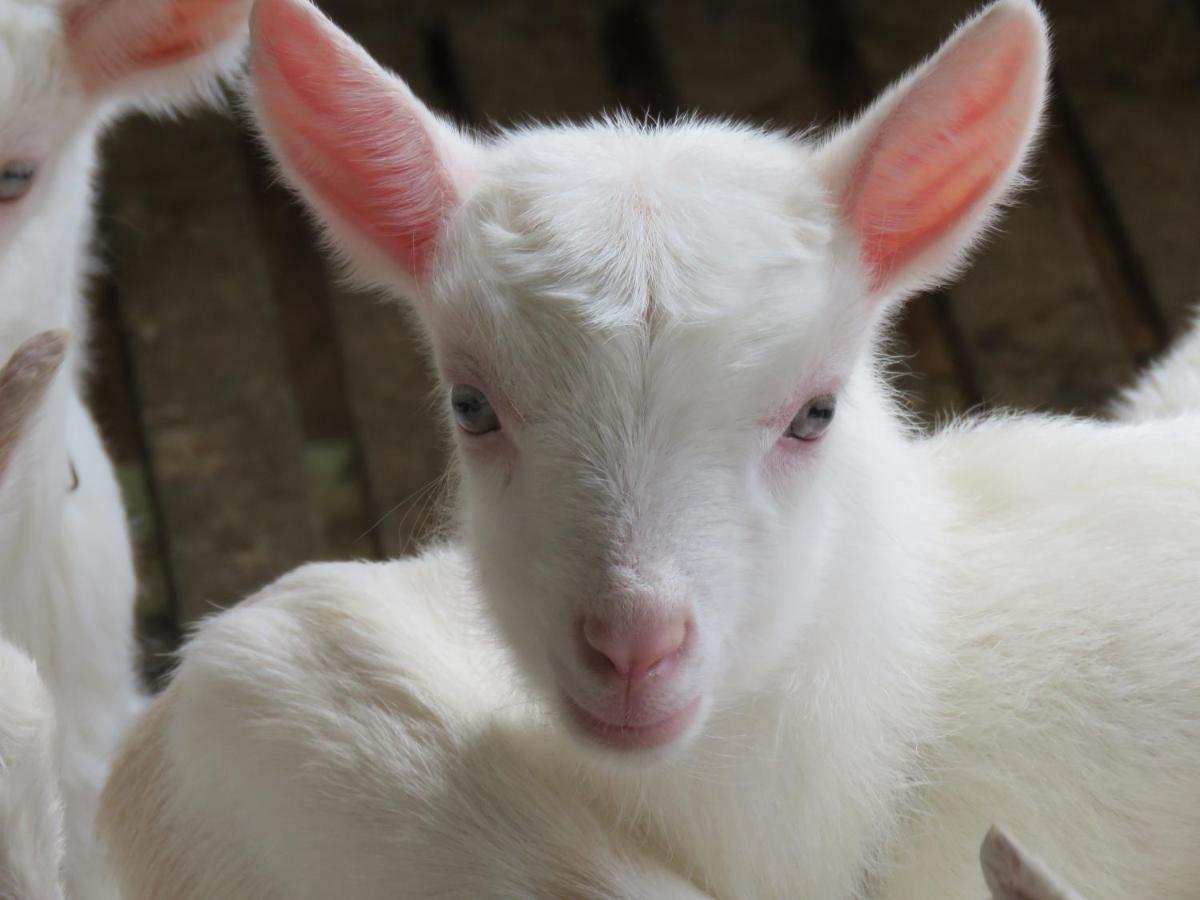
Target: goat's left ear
x: 155, y: 52
x: 918, y: 178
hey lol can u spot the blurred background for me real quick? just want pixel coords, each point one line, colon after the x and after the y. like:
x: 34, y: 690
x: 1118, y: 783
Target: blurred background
x: 262, y: 415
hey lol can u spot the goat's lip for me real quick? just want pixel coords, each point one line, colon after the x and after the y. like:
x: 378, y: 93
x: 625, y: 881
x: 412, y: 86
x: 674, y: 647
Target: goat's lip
x: 640, y: 736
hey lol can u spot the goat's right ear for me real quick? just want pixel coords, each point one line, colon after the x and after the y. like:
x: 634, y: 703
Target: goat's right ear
x: 24, y: 381
x: 920, y: 176
x: 381, y: 172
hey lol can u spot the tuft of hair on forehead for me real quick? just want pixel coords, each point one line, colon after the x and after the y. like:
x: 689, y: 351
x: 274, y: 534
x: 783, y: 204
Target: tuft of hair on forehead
x: 630, y: 222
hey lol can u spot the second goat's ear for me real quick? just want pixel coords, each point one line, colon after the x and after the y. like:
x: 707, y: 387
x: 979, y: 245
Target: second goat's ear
x: 155, y: 52
x: 24, y: 383
x: 918, y: 178
x: 379, y: 169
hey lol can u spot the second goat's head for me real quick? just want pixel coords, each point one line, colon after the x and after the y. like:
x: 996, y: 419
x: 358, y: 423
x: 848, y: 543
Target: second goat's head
x: 655, y: 343
x: 66, y: 67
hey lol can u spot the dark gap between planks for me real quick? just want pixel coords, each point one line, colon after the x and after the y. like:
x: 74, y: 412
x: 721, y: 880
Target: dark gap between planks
x: 298, y: 277
x: 636, y: 71
x: 1139, y: 312
x: 441, y: 66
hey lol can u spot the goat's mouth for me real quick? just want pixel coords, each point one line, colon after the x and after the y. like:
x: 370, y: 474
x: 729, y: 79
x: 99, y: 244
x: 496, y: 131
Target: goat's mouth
x: 632, y: 735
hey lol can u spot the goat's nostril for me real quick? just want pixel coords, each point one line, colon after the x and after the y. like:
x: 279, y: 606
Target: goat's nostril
x: 635, y: 649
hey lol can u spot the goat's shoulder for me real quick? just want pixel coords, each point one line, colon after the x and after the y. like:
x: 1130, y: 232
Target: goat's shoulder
x: 322, y: 699
x: 1068, y: 520
x: 329, y: 635
x: 1020, y: 462
x: 1075, y: 552
x: 1072, y: 617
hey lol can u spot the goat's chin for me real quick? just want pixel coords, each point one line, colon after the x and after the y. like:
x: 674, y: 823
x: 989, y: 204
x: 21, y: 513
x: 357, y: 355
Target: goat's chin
x: 639, y: 744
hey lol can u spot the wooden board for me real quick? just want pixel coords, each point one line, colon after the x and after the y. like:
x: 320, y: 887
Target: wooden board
x: 224, y: 443
x: 1132, y: 77
x: 1040, y: 328
x: 637, y: 69
x: 298, y: 281
x: 522, y: 61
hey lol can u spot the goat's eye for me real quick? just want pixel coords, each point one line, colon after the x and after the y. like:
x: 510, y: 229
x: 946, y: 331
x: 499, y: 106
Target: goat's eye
x: 15, y: 179
x: 814, y: 417
x: 472, y: 410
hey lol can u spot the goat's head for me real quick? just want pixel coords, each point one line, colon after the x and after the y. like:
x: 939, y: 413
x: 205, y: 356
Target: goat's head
x: 643, y: 333
x: 68, y: 65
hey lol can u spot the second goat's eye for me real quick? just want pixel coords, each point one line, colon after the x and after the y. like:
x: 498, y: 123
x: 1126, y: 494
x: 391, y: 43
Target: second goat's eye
x: 814, y: 417
x: 15, y: 179
x: 472, y: 410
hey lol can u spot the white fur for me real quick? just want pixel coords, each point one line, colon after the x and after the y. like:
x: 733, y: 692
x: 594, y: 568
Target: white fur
x: 1169, y: 386
x: 896, y: 638
x: 31, y: 845
x: 64, y: 549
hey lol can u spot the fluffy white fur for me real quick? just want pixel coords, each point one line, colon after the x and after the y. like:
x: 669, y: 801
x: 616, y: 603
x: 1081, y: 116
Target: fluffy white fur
x: 1169, y: 387
x: 64, y: 547
x: 31, y: 846
x: 895, y: 639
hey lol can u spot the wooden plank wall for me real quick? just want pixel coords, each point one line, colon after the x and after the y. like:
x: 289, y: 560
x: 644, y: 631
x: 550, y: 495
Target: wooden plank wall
x: 264, y: 414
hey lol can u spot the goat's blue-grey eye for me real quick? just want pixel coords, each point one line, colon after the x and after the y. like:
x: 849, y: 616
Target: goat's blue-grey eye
x: 15, y: 179
x: 814, y: 417
x: 473, y: 410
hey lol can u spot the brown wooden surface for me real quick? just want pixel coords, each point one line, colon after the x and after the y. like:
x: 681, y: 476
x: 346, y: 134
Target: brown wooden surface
x: 1132, y: 77
x: 263, y: 413
x: 225, y: 453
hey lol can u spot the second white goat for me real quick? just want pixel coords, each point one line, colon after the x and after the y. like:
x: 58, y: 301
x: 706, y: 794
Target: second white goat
x: 67, y: 69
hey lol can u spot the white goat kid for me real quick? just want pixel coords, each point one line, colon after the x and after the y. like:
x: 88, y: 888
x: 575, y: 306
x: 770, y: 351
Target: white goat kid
x: 31, y: 839
x: 65, y: 71
x: 695, y: 623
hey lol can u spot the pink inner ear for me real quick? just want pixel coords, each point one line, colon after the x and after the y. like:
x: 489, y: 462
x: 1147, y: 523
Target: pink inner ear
x: 353, y: 134
x: 113, y: 39
x: 951, y: 139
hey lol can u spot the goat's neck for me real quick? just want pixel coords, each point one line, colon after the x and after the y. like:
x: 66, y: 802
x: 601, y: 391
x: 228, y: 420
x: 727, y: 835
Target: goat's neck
x: 42, y: 271
x: 825, y: 749
x: 42, y: 275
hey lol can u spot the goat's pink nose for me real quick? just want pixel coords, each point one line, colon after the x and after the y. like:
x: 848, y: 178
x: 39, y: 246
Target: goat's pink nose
x: 635, y: 649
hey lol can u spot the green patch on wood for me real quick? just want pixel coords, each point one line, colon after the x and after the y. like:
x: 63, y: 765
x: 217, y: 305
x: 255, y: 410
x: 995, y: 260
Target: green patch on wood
x: 336, y: 488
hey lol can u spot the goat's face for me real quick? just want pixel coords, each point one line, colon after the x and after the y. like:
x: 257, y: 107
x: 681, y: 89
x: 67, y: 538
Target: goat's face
x: 39, y: 106
x: 643, y: 336
x: 65, y: 67
x: 641, y: 345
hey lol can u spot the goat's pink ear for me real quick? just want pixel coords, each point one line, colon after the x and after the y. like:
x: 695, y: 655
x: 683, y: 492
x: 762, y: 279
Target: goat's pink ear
x: 155, y: 52
x: 920, y: 175
x: 379, y: 169
x: 24, y: 381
